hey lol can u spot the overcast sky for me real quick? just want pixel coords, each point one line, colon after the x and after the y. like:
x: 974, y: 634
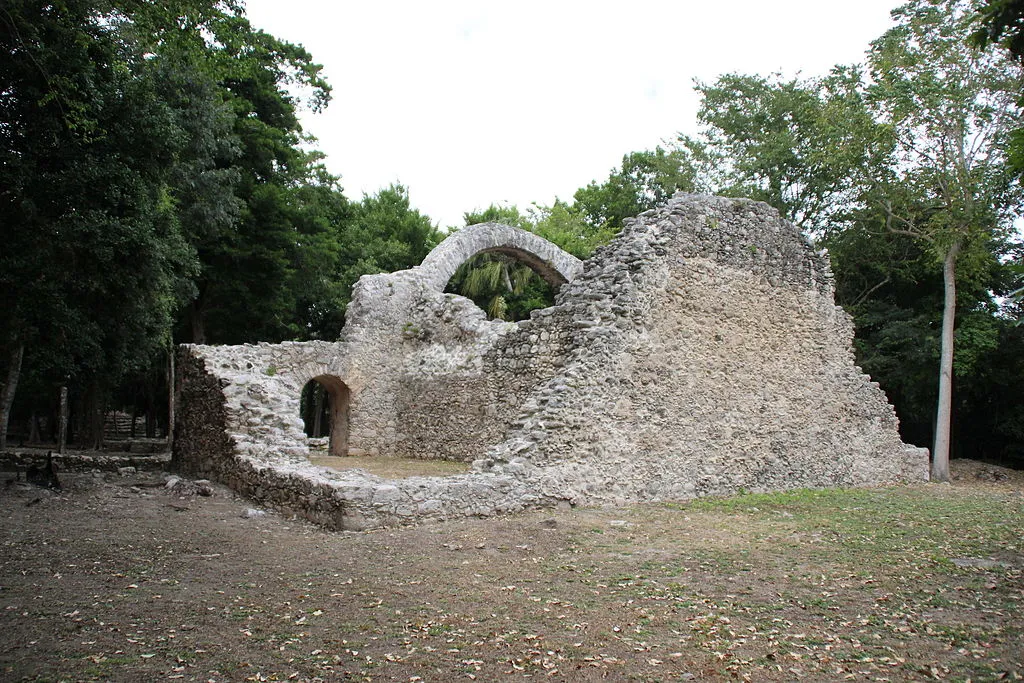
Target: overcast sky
x: 469, y: 103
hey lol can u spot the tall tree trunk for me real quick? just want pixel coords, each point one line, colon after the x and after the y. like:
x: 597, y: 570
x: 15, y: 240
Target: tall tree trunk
x: 93, y: 405
x: 150, y: 413
x: 34, y: 436
x: 943, y: 416
x: 8, y: 389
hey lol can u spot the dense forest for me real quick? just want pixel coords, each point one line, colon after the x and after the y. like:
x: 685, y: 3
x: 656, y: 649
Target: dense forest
x: 156, y: 188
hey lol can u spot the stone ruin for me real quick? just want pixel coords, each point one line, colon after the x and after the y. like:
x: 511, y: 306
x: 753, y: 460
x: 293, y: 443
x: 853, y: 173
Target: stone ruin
x: 699, y: 353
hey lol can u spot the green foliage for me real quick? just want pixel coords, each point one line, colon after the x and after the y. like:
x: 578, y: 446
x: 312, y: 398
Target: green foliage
x: 949, y: 113
x: 989, y: 409
x: 405, y: 235
x: 267, y: 251
x: 897, y: 167
x: 152, y: 158
x: 789, y: 143
x: 889, y: 283
x: 86, y: 210
x: 508, y: 290
x: 644, y: 180
x: 507, y: 215
x: 567, y: 226
x: 1000, y: 22
x: 505, y: 288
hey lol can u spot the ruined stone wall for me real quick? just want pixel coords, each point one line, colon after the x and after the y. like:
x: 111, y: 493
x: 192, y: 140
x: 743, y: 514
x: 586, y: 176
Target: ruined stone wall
x: 417, y: 374
x: 412, y: 358
x: 708, y: 356
x: 699, y: 353
x: 238, y: 424
x: 457, y: 410
x: 426, y: 359
x: 202, y: 446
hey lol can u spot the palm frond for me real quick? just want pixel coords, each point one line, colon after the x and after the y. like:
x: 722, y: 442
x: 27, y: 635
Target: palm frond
x: 497, y: 308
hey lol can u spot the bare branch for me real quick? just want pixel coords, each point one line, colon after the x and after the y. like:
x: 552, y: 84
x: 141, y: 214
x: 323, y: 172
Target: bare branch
x: 864, y: 295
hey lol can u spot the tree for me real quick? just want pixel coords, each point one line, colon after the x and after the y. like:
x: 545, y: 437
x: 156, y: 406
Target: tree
x: 1002, y: 22
x: 787, y: 142
x: 889, y: 283
x: 249, y: 286
x: 644, y: 180
x: 950, y: 113
x: 151, y: 155
x: 914, y: 147
x: 381, y: 234
x: 509, y: 290
x: 568, y: 226
x: 86, y: 150
x: 407, y: 235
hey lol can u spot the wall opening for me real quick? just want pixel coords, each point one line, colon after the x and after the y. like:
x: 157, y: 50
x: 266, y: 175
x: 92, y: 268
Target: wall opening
x: 324, y: 405
x: 503, y: 284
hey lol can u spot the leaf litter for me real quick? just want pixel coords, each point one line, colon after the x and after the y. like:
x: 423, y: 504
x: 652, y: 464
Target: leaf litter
x: 106, y: 580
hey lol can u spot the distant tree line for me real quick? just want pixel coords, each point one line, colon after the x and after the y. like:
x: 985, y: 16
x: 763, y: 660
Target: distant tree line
x: 156, y: 187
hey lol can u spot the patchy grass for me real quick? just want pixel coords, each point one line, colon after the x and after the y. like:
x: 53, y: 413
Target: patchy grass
x: 110, y: 581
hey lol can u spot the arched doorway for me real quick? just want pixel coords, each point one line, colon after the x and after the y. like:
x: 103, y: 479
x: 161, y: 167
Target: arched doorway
x: 324, y: 405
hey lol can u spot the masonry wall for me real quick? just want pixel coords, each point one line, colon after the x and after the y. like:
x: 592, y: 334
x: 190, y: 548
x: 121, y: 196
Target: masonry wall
x: 708, y: 356
x: 227, y: 434
x: 202, y: 446
x: 699, y: 353
x: 456, y: 412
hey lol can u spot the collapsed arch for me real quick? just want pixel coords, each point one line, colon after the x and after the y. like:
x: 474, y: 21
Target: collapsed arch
x: 547, y: 259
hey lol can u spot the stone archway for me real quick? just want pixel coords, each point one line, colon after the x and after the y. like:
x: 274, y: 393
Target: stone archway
x: 338, y: 401
x: 549, y: 261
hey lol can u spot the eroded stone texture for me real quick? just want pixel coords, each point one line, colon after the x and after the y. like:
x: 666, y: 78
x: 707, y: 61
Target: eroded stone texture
x: 699, y: 353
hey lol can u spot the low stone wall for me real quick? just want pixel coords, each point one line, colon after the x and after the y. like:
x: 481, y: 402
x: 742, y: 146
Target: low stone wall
x: 19, y: 460
x: 699, y: 353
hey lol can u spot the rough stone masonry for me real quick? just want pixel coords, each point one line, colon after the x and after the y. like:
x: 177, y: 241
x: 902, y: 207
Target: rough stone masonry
x: 699, y: 353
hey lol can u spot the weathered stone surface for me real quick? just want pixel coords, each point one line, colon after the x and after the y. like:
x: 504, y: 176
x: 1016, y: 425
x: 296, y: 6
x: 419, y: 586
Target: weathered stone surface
x: 699, y: 353
x: 551, y: 263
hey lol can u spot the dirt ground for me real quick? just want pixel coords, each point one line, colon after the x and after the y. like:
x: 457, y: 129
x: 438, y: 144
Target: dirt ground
x: 123, y: 579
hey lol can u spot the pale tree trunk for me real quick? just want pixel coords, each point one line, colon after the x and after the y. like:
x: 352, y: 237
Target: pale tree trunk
x: 34, y: 436
x: 198, y: 328
x: 7, y: 392
x: 943, y: 417
x: 93, y: 407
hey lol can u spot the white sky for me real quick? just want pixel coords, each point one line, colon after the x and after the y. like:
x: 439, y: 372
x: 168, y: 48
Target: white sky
x: 476, y: 101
